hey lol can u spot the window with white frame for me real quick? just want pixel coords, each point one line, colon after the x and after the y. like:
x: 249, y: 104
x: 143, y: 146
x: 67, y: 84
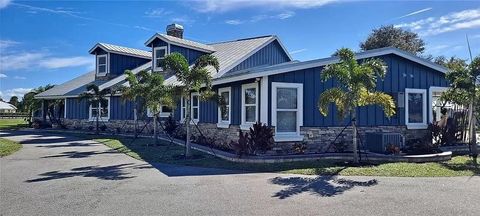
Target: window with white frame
x: 102, y: 64
x: 224, y: 116
x: 416, y: 108
x: 165, y: 111
x: 159, y: 54
x: 102, y: 111
x: 287, y: 111
x: 195, y: 100
x: 249, y: 105
x: 194, y: 107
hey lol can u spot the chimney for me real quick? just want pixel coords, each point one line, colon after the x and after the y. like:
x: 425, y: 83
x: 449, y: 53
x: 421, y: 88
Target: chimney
x: 175, y: 30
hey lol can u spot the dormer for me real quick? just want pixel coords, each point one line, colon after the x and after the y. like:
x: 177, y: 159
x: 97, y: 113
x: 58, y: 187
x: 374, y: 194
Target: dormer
x: 164, y: 44
x: 112, y: 60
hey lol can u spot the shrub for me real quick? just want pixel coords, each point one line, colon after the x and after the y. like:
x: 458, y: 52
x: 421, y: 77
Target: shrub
x: 103, y: 128
x: 340, y: 146
x: 299, y: 148
x: 171, y: 126
x: 393, y: 149
x: 242, y: 146
x: 261, y: 137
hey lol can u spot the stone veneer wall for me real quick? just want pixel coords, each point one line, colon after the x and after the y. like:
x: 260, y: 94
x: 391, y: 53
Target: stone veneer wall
x: 316, y: 138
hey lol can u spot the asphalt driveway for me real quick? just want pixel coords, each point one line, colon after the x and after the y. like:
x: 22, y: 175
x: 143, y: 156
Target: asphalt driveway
x: 62, y: 175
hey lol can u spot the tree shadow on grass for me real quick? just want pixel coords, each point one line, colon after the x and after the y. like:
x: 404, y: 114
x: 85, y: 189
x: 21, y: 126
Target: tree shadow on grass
x: 325, y: 186
x: 113, y: 172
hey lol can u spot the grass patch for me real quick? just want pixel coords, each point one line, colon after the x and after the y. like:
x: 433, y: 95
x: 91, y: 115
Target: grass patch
x: 12, y: 123
x: 173, y: 154
x: 8, y: 147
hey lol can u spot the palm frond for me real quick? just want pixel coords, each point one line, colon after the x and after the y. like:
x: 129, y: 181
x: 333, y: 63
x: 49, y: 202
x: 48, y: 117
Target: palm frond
x: 334, y: 95
x: 377, y: 98
x: 207, y: 60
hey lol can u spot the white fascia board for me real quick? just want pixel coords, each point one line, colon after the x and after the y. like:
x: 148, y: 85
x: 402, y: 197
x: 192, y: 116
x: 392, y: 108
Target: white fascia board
x: 159, y: 36
x: 116, y: 52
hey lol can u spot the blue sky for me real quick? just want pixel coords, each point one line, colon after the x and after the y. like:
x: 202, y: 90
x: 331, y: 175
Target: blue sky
x: 47, y: 42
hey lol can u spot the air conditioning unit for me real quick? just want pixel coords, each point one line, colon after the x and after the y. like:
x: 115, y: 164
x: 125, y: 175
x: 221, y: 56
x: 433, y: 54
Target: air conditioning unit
x: 378, y: 142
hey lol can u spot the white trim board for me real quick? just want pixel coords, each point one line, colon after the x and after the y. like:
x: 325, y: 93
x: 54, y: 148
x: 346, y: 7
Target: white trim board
x: 99, y: 45
x: 220, y: 123
x: 288, y: 136
x: 244, y: 125
x: 430, y: 98
x: 325, y: 61
x: 161, y: 37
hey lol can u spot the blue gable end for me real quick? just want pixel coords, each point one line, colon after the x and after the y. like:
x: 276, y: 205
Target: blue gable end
x: 402, y: 74
x: 271, y: 54
x: 120, y: 63
x: 190, y: 54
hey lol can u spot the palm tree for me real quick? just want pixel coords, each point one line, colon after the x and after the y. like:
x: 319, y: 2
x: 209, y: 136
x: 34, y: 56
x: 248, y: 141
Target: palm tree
x: 355, y: 88
x: 30, y: 104
x: 133, y: 92
x: 97, y: 97
x: 193, y: 79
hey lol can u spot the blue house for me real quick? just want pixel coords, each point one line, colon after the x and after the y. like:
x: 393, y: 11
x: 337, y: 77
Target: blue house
x: 261, y: 83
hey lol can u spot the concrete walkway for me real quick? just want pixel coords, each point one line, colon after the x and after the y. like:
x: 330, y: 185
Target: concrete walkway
x: 61, y: 175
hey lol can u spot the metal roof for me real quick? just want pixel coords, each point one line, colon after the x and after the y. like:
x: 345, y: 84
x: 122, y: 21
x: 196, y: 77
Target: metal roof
x: 6, y: 106
x: 293, y: 66
x: 181, y: 42
x: 63, y: 89
x: 122, y: 50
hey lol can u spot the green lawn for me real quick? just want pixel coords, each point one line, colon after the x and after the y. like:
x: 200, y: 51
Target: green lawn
x: 172, y: 154
x: 8, y: 147
x: 12, y: 123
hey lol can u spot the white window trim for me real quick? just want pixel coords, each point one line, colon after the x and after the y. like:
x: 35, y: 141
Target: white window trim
x: 155, y: 68
x: 288, y: 136
x: 220, y: 122
x: 65, y: 109
x: 424, y: 124
x: 182, y: 106
x: 162, y: 114
x: 91, y: 118
x: 246, y: 125
x: 430, y: 98
x: 107, y: 65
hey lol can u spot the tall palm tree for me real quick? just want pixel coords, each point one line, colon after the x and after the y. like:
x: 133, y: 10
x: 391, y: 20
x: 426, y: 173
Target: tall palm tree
x: 356, y: 84
x: 133, y: 93
x: 193, y: 79
x: 97, y: 97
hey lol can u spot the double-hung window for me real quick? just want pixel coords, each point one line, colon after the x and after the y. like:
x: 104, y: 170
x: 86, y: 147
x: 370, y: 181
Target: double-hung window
x: 224, y: 115
x: 287, y: 111
x: 102, y: 111
x: 416, y: 108
x: 159, y: 54
x: 249, y: 105
x: 194, y: 108
x: 102, y: 65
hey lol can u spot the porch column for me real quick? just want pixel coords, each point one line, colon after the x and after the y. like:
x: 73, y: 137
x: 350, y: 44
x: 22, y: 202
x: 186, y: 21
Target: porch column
x: 264, y: 100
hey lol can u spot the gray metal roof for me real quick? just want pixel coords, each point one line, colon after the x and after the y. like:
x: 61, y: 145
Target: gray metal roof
x: 123, y: 50
x: 292, y: 66
x: 182, y: 42
x: 64, y: 89
x: 6, y: 106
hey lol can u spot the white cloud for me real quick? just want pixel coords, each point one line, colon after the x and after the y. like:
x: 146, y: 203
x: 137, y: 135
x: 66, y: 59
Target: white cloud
x: 19, y: 77
x: 40, y: 60
x: 415, y: 12
x: 182, y: 20
x: 19, y: 92
x: 54, y: 63
x: 4, y: 3
x: 207, y: 6
x: 257, y: 18
x: 156, y: 13
x: 298, y: 51
x: 454, y: 21
x: 3, y: 76
x: 7, y: 43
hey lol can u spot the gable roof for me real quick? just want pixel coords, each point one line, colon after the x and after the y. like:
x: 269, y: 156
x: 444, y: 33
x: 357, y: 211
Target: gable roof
x: 293, y: 66
x: 122, y: 50
x: 63, y: 89
x: 229, y: 54
x: 6, y: 106
x: 181, y: 42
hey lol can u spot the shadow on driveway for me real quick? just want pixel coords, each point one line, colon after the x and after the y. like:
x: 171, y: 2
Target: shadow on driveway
x: 114, y: 172
x: 325, y: 186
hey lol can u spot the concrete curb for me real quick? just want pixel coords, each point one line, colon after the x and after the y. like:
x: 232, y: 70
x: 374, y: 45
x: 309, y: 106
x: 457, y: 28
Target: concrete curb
x: 372, y: 157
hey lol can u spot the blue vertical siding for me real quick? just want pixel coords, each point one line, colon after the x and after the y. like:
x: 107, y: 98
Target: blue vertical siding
x: 401, y: 74
x: 121, y: 109
x: 269, y: 55
x: 190, y: 54
x: 77, y: 109
x: 120, y: 63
